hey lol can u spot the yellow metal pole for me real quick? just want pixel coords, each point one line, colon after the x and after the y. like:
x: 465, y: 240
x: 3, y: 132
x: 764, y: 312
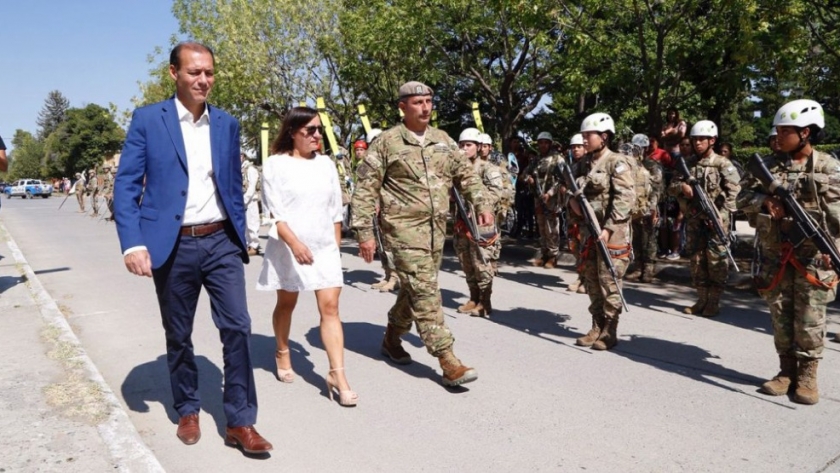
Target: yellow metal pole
x: 264, y: 141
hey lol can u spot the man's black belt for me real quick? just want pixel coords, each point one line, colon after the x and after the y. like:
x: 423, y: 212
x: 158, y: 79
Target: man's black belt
x: 203, y: 229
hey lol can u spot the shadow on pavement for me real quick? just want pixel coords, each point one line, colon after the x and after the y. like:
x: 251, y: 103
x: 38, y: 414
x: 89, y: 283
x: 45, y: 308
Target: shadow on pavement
x: 8, y: 282
x: 539, y: 323
x: 365, y: 277
x: 263, y: 348
x: 149, y: 383
x: 690, y: 361
x: 546, y: 281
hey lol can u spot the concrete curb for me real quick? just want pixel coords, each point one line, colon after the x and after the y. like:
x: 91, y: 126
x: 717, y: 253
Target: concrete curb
x: 128, y: 451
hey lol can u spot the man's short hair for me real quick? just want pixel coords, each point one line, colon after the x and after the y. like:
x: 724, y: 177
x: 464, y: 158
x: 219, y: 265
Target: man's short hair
x: 175, y: 55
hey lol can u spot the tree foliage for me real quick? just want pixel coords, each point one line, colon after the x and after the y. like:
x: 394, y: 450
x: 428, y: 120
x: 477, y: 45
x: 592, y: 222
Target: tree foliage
x: 52, y: 114
x: 83, y: 141
x: 25, y: 160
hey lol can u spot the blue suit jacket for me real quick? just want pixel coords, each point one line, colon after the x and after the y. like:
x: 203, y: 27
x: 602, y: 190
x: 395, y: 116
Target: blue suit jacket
x: 154, y: 150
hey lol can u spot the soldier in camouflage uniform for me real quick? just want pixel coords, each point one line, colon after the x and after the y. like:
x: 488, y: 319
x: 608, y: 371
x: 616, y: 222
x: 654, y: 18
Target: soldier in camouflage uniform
x: 795, y: 280
x: 649, y: 189
x: 80, y: 186
x: 576, y: 153
x: 542, y: 169
x: 390, y: 281
x: 720, y: 180
x: 94, y: 187
x: 606, y: 178
x: 478, y: 271
x: 108, y: 191
x: 408, y: 172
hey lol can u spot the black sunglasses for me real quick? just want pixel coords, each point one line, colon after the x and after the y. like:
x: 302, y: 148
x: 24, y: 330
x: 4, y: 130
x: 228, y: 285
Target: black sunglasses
x: 310, y: 130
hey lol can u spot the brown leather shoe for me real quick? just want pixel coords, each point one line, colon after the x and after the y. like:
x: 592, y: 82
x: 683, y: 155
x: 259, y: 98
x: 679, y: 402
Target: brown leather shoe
x: 188, y: 430
x: 248, y: 439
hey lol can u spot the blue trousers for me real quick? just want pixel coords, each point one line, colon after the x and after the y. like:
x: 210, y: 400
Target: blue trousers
x: 214, y: 262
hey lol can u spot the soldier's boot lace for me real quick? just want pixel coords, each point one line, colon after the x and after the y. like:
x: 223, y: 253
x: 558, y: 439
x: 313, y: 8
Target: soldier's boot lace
x: 702, y: 299
x: 593, y: 334
x: 483, y: 308
x: 713, y: 304
x: 390, y: 284
x: 608, y: 337
x: 780, y: 384
x: 454, y: 372
x: 648, y: 272
x: 392, y: 347
x: 475, y: 294
x: 806, y: 382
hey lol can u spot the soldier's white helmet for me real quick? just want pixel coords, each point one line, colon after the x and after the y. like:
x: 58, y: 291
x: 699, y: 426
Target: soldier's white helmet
x: 599, y: 122
x: 800, y: 113
x: 704, y: 128
x: 577, y: 139
x: 773, y: 132
x: 469, y: 134
x: 640, y: 139
x: 373, y: 134
x: 485, y: 139
x: 545, y: 136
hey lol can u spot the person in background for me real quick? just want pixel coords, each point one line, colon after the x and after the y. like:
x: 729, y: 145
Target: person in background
x: 673, y: 132
x: 251, y: 192
x: 4, y: 161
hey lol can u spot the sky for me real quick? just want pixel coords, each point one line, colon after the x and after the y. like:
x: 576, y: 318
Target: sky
x: 92, y: 51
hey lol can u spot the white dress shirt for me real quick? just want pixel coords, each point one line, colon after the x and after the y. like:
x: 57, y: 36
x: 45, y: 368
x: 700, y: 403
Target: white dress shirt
x: 203, y: 202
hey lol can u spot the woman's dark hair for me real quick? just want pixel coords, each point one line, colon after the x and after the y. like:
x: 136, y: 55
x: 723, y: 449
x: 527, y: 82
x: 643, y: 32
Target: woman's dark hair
x: 676, y: 114
x: 725, y: 145
x: 294, y: 120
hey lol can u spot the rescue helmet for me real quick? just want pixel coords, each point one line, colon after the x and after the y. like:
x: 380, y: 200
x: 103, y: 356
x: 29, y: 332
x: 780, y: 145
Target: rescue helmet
x: 800, y: 113
x: 545, y: 136
x: 485, y: 139
x: 599, y: 122
x: 577, y: 139
x: 704, y: 128
x: 470, y: 134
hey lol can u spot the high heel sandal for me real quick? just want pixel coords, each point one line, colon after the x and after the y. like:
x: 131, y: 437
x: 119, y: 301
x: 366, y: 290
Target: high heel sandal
x: 345, y: 398
x: 284, y: 375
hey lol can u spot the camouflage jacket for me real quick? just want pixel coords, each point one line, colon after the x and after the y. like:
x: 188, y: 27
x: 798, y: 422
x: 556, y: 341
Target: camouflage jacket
x: 657, y: 183
x: 108, y: 184
x: 410, y: 184
x: 543, y: 169
x: 607, y: 182
x: 816, y: 185
x: 718, y: 177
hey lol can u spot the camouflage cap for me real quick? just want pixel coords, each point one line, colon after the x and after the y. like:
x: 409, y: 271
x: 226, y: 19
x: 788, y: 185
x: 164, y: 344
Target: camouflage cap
x: 410, y: 89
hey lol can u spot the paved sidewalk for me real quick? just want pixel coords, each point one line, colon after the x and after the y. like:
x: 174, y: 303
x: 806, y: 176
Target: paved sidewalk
x: 56, y: 412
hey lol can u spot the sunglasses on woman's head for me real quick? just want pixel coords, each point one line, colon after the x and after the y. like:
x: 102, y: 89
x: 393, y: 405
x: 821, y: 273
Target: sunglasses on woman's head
x: 310, y: 130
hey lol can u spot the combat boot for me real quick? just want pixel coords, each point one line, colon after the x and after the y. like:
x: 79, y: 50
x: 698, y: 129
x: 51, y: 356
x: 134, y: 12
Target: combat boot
x: 806, y: 382
x: 383, y: 282
x: 573, y: 287
x: 780, y: 384
x: 454, y: 372
x: 483, y: 308
x: 538, y: 262
x: 634, y: 272
x: 702, y: 299
x: 582, y: 289
x: 390, y: 284
x: 648, y: 272
x: 465, y: 308
x: 593, y: 333
x: 608, y: 337
x: 550, y: 263
x: 713, y: 304
x: 392, y: 347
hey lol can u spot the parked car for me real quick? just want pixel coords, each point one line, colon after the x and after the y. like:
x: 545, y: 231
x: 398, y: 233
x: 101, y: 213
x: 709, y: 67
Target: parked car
x: 28, y: 188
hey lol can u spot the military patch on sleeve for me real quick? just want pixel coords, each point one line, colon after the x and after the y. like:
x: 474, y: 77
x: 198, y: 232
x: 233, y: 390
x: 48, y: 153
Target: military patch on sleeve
x: 620, y: 169
x: 368, y: 166
x: 730, y: 169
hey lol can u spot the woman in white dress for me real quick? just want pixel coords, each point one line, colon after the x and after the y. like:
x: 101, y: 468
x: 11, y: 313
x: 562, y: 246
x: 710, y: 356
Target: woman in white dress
x: 304, y: 198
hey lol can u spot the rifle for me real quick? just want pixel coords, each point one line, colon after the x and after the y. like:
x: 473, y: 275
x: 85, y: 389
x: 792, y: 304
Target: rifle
x: 707, y: 206
x: 470, y: 221
x: 380, y: 248
x: 72, y: 191
x: 805, y: 228
x: 591, y: 222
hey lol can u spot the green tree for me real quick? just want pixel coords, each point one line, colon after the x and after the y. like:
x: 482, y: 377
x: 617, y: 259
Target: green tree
x: 25, y: 160
x: 84, y: 140
x: 52, y: 114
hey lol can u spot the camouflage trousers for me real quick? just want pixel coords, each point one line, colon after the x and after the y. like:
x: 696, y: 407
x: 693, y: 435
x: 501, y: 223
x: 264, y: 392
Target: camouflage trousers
x: 603, y: 292
x: 709, y: 264
x: 478, y: 274
x: 94, y: 201
x: 548, y: 225
x: 80, y: 197
x: 388, y: 262
x: 644, y: 240
x: 797, y: 308
x: 419, y: 299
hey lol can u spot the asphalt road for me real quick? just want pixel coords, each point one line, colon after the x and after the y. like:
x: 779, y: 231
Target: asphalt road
x: 679, y: 393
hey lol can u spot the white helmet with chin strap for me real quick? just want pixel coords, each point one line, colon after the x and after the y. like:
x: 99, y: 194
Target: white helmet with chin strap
x: 599, y: 122
x: 485, y: 139
x: 470, y: 134
x: 577, y: 139
x: 801, y: 114
x: 704, y: 128
x: 773, y: 132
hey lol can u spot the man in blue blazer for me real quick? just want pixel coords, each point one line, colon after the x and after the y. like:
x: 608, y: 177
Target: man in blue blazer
x: 181, y: 220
